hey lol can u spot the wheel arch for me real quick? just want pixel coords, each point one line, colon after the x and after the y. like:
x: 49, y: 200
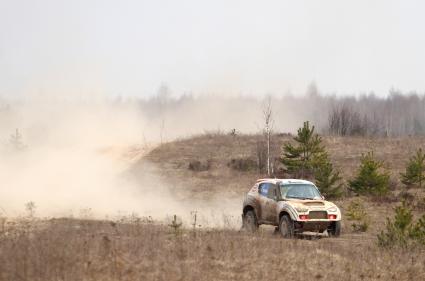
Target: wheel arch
x: 290, y: 211
x: 248, y: 208
x: 284, y: 213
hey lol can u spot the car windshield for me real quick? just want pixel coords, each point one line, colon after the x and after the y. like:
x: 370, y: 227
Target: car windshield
x: 300, y: 191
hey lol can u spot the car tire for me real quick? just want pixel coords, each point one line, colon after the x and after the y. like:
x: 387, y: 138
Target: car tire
x: 335, y: 229
x: 250, y: 222
x: 286, y: 227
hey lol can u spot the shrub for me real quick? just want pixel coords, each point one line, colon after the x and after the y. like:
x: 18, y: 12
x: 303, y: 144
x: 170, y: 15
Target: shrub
x: 406, y: 196
x: 417, y: 232
x: 372, y: 178
x: 357, y: 214
x: 198, y: 166
x: 415, y: 170
x: 242, y: 164
x: 402, y: 231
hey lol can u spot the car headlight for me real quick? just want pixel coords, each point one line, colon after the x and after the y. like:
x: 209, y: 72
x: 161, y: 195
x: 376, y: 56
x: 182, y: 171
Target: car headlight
x: 333, y: 209
x: 301, y: 209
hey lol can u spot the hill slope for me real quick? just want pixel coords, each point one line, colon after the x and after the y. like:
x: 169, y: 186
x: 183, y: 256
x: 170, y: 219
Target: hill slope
x: 216, y: 151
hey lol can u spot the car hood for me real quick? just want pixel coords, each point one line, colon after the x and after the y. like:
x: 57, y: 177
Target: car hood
x: 310, y: 204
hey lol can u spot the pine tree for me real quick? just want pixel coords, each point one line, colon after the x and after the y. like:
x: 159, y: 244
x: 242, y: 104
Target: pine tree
x: 327, y: 179
x: 397, y: 231
x: 371, y: 178
x: 415, y: 170
x: 402, y: 230
x: 298, y: 159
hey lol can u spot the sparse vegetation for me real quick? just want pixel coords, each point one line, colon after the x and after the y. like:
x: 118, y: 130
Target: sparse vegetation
x: 402, y: 231
x: 407, y: 197
x: 67, y: 249
x: 415, y: 170
x: 198, y: 166
x: 243, y: 164
x: 345, y: 153
x: 357, y: 215
x: 371, y: 178
x: 417, y: 232
x: 134, y: 248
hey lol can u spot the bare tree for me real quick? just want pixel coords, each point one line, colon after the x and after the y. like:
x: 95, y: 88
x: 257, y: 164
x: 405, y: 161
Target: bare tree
x: 344, y: 121
x: 268, y: 127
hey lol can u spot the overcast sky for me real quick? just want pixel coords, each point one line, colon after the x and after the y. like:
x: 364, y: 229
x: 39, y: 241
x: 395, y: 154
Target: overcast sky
x: 84, y: 47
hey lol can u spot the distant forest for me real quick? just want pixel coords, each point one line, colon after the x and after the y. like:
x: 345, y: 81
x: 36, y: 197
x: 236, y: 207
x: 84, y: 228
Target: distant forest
x: 396, y: 114
x: 164, y: 116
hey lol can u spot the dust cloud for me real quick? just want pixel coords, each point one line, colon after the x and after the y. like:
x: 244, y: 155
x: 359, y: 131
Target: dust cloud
x: 72, y: 159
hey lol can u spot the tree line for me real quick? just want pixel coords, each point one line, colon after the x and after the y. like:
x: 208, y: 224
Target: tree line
x: 306, y: 157
x: 169, y: 116
x: 395, y: 114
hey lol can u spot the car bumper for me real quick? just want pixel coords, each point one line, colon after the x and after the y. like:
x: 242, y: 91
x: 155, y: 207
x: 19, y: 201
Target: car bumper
x: 313, y: 225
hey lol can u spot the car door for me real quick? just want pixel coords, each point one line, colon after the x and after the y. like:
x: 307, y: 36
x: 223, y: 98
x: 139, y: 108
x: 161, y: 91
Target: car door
x: 263, y: 190
x: 271, y: 204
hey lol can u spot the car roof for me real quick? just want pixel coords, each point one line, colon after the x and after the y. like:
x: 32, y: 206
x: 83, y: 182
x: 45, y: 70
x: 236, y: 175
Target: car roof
x: 285, y: 181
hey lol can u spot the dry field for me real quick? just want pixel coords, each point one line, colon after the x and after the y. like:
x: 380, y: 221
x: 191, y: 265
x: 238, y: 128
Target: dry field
x: 173, y: 158
x: 138, y: 249
x: 66, y: 249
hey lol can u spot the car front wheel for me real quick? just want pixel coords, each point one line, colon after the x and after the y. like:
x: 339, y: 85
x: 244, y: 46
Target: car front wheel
x: 335, y: 229
x: 286, y: 227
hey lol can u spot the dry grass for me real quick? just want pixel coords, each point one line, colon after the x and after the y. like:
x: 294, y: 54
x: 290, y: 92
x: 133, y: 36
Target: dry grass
x: 133, y: 249
x: 66, y: 249
x: 173, y: 158
x: 395, y: 152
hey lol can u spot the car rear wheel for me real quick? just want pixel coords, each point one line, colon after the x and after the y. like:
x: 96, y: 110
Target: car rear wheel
x: 250, y: 221
x: 286, y: 227
x: 335, y: 229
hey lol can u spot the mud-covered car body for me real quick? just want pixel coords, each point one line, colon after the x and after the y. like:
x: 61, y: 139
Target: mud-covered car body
x: 297, y: 202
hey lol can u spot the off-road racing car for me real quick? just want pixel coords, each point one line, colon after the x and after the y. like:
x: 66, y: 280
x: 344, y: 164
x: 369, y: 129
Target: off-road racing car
x: 294, y: 206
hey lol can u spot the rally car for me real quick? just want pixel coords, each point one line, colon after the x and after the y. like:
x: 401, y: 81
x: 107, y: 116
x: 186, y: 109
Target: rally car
x: 294, y: 206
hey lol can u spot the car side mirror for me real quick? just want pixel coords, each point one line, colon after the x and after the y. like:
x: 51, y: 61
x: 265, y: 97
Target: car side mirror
x: 323, y: 197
